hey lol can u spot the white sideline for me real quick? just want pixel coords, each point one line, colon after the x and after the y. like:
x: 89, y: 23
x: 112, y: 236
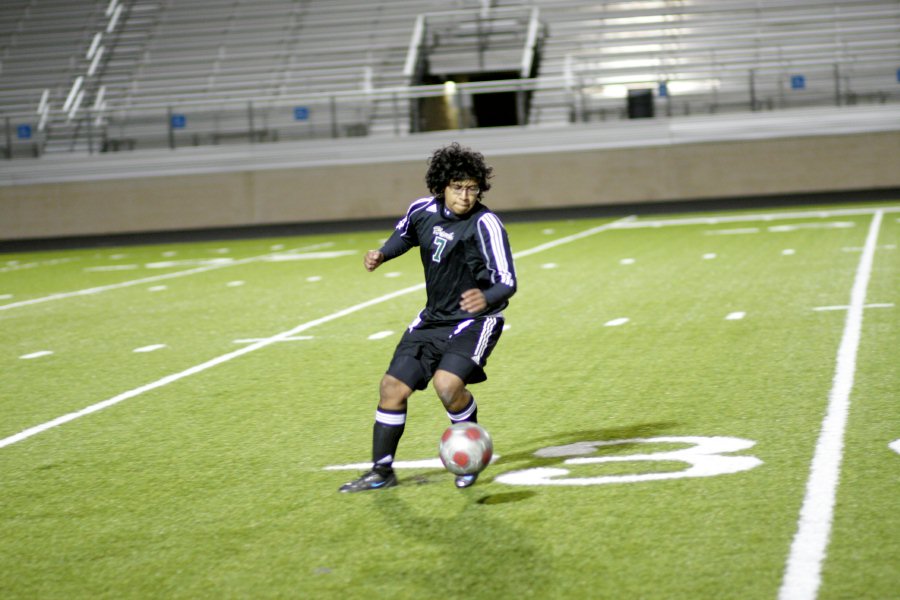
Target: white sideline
x: 821, y: 214
x: 27, y: 433
x: 132, y: 282
x: 803, y: 572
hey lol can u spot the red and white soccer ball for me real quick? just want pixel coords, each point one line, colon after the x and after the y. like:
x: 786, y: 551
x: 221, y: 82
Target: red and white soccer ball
x: 466, y: 448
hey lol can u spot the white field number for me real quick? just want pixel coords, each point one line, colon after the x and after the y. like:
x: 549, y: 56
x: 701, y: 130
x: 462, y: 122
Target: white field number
x: 704, y: 457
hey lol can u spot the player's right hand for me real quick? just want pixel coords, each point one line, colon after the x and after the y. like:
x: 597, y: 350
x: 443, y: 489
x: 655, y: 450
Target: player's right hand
x: 372, y: 259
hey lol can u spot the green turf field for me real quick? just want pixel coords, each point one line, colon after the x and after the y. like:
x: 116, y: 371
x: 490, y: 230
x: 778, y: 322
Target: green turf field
x: 176, y: 419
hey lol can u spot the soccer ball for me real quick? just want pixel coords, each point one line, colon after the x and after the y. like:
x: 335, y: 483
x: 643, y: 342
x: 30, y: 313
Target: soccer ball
x: 466, y: 448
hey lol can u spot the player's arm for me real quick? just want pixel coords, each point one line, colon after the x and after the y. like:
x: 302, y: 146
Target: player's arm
x: 373, y: 259
x: 402, y: 238
x: 497, y: 256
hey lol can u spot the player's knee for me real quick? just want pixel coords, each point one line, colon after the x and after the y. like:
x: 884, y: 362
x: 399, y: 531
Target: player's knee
x: 450, y: 388
x: 393, y: 393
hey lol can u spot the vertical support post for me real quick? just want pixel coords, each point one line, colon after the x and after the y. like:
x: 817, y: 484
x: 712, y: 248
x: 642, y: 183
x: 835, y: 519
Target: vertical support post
x: 171, y: 128
x: 521, y: 117
x: 837, y: 84
x: 8, y: 139
x: 250, y: 121
x: 396, y: 114
x: 332, y: 105
x: 753, y: 103
x: 90, y: 130
x: 414, y: 114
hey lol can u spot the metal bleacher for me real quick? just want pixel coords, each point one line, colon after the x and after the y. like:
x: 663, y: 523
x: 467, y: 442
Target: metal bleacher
x: 711, y: 56
x: 173, y: 73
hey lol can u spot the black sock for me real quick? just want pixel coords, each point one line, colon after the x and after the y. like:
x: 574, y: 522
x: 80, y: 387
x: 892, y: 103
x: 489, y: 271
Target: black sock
x: 468, y: 414
x: 386, y: 433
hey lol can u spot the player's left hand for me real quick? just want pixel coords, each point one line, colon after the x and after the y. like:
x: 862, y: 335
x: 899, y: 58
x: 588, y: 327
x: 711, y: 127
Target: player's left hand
x: 473, y: 301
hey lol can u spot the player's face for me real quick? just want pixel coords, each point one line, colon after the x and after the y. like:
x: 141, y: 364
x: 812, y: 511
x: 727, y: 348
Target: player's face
x: 461, y: 196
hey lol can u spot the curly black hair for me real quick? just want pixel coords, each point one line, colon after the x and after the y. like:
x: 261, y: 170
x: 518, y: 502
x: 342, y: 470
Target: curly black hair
x: 456, y: 163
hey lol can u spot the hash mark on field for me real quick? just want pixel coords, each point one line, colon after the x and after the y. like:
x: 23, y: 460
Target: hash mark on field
x: 37, y: 354
x: 788, y: 252
x: 234, y: 283
x: 314, y: 278
x: 626, y: 261
x: 845, y: 307
x: 103, y: 268
x: 189, y: 262
x: 735, y: 316
x: 149, y: 348
x: 616, y: 322
x: 5, y: 296
x: 797, y: 226
x: 549, y: 266
x: 739, y: 231
x: 381, y: 335
x: 393, y: 274
x: 157, y: 288
x: 293, y: 338
x: 709, y: 256
x: 895, y: 445
x: 294, y: 256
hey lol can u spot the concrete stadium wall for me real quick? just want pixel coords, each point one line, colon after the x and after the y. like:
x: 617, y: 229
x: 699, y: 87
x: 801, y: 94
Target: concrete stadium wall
x: 679, y: 172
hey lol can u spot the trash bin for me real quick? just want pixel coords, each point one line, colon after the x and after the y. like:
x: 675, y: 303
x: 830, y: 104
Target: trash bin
x: 640, y: 104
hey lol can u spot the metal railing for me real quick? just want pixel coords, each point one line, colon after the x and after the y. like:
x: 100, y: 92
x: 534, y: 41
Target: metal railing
x: 390, y: 111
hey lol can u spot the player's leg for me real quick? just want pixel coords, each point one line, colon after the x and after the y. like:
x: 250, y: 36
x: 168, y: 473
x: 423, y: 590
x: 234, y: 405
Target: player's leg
x: 390, y: 421
x: 463, y: 363
x: 407, y: 372
x: 460, y: 405
x: 457, y: 400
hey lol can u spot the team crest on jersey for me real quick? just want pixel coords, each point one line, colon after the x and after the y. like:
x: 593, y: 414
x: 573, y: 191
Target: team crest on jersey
x: 438, y: 231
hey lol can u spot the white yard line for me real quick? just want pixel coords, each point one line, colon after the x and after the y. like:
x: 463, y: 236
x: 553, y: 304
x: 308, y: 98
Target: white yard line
x: 572, y: 238
x: 154, y: 278
x: 803, y: 572
x: 262, y: 343
x: 22, y: 435
x: 821, y: 214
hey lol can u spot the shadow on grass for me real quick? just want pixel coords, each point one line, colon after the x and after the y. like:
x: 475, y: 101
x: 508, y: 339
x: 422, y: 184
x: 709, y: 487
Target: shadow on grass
x: 463, y: 551
x: 526, y: 459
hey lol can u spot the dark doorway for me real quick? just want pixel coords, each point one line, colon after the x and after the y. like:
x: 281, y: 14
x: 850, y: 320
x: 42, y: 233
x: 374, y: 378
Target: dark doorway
x: 489, y: 109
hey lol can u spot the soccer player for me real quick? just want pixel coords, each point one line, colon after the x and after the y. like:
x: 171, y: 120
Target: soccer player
x: 469, y: 278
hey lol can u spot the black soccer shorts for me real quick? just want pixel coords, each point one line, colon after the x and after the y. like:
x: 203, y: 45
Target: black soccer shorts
x: 460, y: 348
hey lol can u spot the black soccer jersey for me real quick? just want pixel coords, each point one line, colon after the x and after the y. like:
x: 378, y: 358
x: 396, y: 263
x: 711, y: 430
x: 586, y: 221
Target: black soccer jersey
x: 458, y: 253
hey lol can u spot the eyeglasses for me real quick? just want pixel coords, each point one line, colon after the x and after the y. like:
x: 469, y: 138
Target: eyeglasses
x: 462, y: 189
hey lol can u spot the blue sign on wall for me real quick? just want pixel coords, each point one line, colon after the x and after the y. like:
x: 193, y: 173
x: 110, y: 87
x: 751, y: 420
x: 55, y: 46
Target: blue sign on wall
x: 798, y: 82
x: 301, y: 113
x: 663, y: 90
x: 23, y: 132
x: 179, y: 121
x: 898, y: 74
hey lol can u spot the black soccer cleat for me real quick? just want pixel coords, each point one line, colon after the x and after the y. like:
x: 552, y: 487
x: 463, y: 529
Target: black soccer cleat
x: 464, y: 481
x: 373, y: 480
